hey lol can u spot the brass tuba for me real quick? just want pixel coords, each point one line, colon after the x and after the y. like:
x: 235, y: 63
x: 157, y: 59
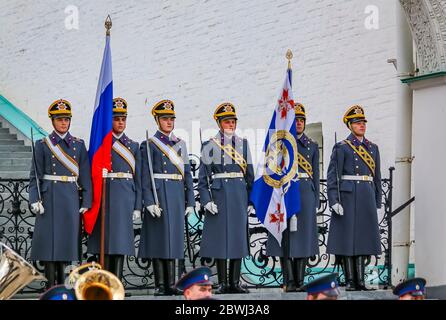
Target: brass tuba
x: 96, y: 284
x: 15, y: 272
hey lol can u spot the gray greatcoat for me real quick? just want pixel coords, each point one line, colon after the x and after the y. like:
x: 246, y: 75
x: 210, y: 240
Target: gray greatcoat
x: 356, y: 232
x: 225, y: 235
x: 123, y: 196
x: 304, y: 241
x: 163, y: 237
x: 56, y: 232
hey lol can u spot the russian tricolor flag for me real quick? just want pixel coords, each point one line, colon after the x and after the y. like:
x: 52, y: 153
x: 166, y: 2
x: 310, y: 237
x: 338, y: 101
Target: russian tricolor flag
x: 101, y: 136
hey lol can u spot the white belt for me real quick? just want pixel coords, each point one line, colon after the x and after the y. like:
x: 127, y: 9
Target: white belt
x: 119, y: 175
x: 357, y: 178
x: 303, y: 175
x: 169, y: 176
x: 59, y: 178
x: 228, y: 175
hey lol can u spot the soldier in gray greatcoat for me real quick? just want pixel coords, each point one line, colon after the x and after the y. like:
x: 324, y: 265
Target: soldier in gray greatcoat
x: 162, y: 235
x: 62, y: 169
x: 225, y: 180
x: 354, y: 195
x: 123, y: 196
x: 303, y: 243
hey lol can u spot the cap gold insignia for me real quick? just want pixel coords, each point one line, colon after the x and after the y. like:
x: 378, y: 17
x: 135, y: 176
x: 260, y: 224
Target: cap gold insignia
x: 417, y: 287
x: 228, y: 109
x: 357, y: 110
x: 206, y: 277
x: 119, y: 104
x: 167, y: 106
x: 333, y: 285
x: 61, y: 105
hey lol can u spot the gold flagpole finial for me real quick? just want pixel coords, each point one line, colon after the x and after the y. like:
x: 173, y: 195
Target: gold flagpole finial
x: 108, y: 24
x: 289, y: 56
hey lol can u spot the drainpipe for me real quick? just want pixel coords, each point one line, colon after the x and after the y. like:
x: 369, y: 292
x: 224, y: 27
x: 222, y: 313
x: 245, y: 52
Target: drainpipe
x: 403, y: 150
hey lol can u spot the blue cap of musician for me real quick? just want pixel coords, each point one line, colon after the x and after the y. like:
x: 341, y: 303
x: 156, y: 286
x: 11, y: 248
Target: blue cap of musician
x: 59, y: 292
x: 323, y: 288
x: 196, y: 284
x: 412, y: 289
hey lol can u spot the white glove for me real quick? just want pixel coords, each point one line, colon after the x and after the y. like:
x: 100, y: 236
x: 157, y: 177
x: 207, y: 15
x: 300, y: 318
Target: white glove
x: 136, y: 215
x: 83, y: 210
x: 337, y: 208
x: 211, y: 207
x: 251, y: 210
x: 154, y: 210
x: 37, y: 207
x: 189, y: 210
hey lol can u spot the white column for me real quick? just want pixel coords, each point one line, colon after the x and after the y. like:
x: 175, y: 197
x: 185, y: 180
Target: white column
x: 429, y: 134
x: 403, y: 152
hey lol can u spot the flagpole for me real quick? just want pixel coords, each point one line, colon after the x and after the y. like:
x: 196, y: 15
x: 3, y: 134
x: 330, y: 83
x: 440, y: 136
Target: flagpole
x: 108, y: 25
x: 286, y: 238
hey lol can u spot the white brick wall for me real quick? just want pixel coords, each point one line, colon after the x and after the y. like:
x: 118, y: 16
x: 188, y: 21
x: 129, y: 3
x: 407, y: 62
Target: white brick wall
x: 201, y: 53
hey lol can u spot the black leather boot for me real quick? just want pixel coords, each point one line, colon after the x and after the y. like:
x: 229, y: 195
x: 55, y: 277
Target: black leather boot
x: 234, y: 277
x: 299, y: 266
x: 360, y: 273
x: 158, y: 272
x: 170, y: 279
x: 289, y: 285
x: 60, y: 270
x: 222, y: 275
x: 50, y: 273
x: 118, y: 266
x: 349, y: 273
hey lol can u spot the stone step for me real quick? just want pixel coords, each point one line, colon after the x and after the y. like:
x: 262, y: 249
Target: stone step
x: 14, y: 148
x: 15, y: 161
x: 14, y: 174
x: 8, y: 136
x: 22, y: 155
x: 4, y: 130
x: 14, y: 168
x: 11, y: 142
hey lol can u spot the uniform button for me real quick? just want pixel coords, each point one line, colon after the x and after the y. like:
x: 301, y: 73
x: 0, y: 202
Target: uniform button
x: 127, y: 179
x: 54, y: 164
x: 308, y: 148
x: 371, y: 152
x: 55, y: 181
x: 128, y: 147
x: 164, y: 163
x: 356, y: 159
x: 357, y: 174
x: 54, y: 173
x: 308, y: 156
x: 74, y: 149
x: 241, y: 179
x: 111, y: 170
x: 166, y: 179
x: 357, y: 167
x: 357, y: 181
x: 52, y: 157
x: 165, y: 171
x: 226, y: 180
x: 164, y: 155
x: 112, y: 179
x: 74, y: 157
